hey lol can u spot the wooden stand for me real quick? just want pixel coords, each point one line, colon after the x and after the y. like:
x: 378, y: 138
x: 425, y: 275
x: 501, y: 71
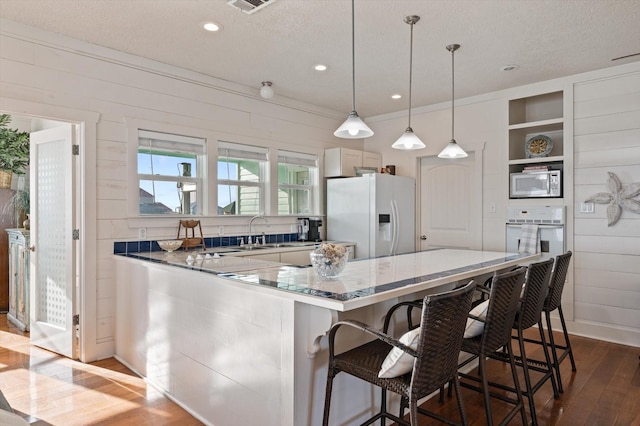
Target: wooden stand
x: 191, y: 241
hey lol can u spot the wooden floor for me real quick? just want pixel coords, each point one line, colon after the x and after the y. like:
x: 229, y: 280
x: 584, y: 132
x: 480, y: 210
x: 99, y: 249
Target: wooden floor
x: 604, y: 391
x: 47, y: 389
x: 50, y: 390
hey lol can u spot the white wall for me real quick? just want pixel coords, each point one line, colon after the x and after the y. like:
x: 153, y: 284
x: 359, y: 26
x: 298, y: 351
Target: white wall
x: 43, y: 74
x: 607, y: 258
x: 54, y: 76
x: 605, y: 302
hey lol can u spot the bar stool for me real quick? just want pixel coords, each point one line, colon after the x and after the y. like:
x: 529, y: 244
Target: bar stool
x: 495, y: 334
x: 193, y: 240
x: 529, y: 314
x: 420, y: 362
x: 553, y: 302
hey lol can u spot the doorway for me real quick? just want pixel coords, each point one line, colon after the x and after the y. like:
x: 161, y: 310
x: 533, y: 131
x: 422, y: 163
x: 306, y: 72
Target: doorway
x: 450, y: 201
x: 83, y: 275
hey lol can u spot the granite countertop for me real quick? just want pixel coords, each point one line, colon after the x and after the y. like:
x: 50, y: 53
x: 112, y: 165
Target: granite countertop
x: 361, y: 281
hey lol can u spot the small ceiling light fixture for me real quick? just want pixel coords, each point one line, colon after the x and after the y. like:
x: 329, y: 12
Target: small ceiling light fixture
x: 353, y: 127
x: 409, y: 140
x: 266, y: 91
x: 320, y: 67
x: 396, y: 96
x: 452, y: 150
x: 510, y: 67
x: 211, y: 26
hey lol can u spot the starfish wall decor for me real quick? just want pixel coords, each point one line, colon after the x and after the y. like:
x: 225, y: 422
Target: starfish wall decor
x: 620, y: 198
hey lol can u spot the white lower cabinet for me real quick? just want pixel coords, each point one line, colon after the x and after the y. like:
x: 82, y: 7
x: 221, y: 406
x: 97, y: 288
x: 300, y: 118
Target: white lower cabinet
x: 296, y: 257
x: 271, y: 257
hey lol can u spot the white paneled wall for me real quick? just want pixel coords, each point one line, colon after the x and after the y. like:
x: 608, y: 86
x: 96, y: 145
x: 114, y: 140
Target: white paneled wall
x: 61, y: 73
x: 607, y: 258
x: 56, y: 76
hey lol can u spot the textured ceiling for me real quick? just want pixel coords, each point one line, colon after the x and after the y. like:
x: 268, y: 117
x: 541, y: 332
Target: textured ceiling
x: 282, y: 42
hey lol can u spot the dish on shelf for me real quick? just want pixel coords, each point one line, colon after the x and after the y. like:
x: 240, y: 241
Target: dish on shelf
x: 538, y: 146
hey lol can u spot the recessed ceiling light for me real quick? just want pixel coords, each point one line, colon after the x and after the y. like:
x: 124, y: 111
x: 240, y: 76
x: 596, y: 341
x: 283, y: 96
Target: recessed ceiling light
x: 211, y: 26
x: 396, y: 96
x: 511, y: 67
x: 320, y: 67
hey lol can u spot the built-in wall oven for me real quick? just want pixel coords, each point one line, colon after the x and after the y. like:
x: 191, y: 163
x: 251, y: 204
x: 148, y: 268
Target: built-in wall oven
x: 550, y: 221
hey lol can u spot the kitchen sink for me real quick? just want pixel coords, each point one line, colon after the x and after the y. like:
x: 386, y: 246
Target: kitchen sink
x: 251, y: 247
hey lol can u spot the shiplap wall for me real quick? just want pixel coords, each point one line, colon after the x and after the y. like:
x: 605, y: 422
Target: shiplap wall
x: 607, y: 258
x: 41, y: 68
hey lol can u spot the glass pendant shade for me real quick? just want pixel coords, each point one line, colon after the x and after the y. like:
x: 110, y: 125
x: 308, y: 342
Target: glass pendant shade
x: 408, y: 140
x: 353, y: 128
x: 452, y: 150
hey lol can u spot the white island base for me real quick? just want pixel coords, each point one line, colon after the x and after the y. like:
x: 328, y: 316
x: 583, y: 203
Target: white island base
x: 240, y: 350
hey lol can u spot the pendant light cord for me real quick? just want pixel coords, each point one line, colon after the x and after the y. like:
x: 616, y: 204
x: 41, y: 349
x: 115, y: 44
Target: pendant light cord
x: 353, y: 55
x: 410, y: 69
x: 452, y: 95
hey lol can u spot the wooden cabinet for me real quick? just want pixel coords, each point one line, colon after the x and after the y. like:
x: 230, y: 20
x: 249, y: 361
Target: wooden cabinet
x: 19, y: 278
x: 342, y: 162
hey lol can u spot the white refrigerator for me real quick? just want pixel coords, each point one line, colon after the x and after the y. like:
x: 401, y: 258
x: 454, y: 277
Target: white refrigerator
x: 376, y: 211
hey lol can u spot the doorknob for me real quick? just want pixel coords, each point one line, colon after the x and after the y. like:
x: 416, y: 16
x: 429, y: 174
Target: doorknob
x: 423, y: 237
x: 32, y: 248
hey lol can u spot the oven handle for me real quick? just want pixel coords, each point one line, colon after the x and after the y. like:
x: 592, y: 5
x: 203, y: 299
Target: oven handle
x: 541, y: 225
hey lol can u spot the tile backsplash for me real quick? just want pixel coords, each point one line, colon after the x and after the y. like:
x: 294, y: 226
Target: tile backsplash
x: 124, y: 247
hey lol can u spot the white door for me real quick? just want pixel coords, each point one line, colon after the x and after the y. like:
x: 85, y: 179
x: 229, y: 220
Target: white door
x: 451, y: 202
x: 53, y: 260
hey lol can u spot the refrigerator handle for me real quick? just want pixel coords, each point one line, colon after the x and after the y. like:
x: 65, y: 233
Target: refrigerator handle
x: 394, y: 227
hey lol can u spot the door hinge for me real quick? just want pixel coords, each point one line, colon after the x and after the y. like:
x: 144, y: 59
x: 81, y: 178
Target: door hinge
x: 76, y: 319
x: 76, y: 234
x: 75, y: 150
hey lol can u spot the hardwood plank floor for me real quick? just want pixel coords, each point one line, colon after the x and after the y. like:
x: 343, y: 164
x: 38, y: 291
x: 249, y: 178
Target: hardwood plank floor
x: 47, y: 389
x: 604, y: 391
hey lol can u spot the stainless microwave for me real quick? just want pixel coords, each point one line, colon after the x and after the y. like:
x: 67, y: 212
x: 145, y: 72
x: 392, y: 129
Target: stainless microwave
x: 536, y: 184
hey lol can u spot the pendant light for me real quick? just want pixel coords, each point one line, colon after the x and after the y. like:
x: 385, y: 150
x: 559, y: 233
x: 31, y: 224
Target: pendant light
x: 353, y: 127
x: 452, y: 150
x: 409, y: 140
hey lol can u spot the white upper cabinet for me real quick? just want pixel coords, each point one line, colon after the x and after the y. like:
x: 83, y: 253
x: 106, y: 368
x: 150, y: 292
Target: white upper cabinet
x: 343, y: 162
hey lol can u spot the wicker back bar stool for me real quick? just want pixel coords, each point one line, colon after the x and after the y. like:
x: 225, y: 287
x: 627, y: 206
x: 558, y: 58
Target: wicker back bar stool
x: 431, y: 356
x: 496, y: 334
x: 529, y: 314
x: 554, y: 302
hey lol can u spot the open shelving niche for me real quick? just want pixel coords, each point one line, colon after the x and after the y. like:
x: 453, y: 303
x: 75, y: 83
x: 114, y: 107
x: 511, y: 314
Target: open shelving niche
x: 531, y: 116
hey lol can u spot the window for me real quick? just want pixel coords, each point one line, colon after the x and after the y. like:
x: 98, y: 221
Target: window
x: 170, y: 169
x: 297, y: 183
x: 241, y: 172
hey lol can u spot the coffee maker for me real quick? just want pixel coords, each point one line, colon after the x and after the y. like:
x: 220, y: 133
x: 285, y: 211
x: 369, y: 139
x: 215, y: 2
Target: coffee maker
x: 309, y: 229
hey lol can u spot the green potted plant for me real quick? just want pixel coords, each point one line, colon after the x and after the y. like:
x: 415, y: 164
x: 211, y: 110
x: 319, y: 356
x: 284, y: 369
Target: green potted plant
x: 18, y: 208
x: 14, y: 151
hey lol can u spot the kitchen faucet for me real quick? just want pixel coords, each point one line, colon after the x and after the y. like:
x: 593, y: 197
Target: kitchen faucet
x: 251, y: 225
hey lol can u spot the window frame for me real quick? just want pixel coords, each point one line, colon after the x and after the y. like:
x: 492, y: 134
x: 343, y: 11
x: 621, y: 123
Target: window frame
x: 294, y: 158
x: 177, y: 144
x: 244, y: 152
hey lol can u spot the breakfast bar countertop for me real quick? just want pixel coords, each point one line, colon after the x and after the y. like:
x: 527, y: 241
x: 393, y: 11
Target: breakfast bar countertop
x: 362, y: 282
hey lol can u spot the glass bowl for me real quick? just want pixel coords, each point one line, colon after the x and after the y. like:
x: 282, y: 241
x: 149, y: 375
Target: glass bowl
x: 328, y: 267
x: 170, y: 245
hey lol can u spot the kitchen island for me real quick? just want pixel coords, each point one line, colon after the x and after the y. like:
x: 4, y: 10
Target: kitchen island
x: 242, y: 343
